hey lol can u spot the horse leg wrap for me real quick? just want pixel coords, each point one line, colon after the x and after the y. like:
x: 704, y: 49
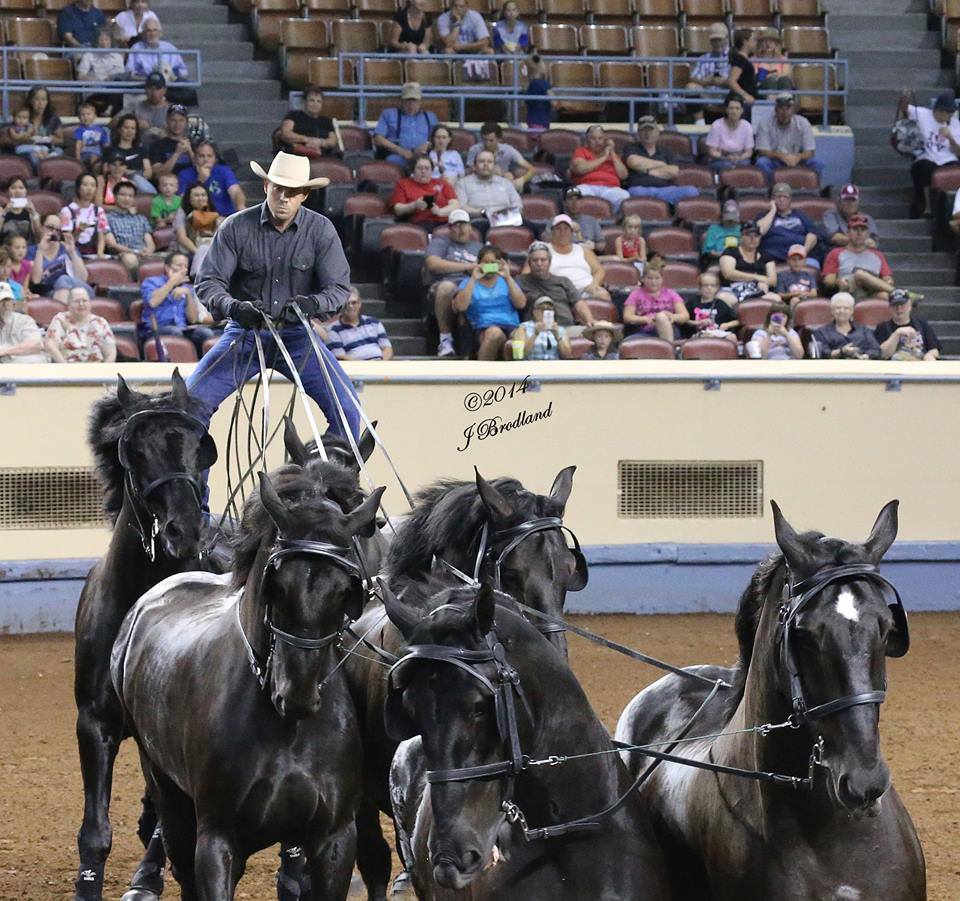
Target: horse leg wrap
x: 293, y: 881
x: 89, y: 884
x: 149, y: 875
x: 147, y: 824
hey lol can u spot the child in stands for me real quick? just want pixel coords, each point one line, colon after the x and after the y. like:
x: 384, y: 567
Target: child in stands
x: 90, y: 139
x: 630, y: 246
x: 164, y: 206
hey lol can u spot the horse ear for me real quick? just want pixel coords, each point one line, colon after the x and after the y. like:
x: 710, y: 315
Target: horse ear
x: 367, y: 443
x: 884, y: 532
x: 363, y: 520
x: 291, y: 441
x: 484, y: 607
x: 562, y: 485
x: 274, y: 506
x: 497, y: 505
x: 180, y: 394
x: 124, y: 395
x: 404, y: 617
x: 787, y: 539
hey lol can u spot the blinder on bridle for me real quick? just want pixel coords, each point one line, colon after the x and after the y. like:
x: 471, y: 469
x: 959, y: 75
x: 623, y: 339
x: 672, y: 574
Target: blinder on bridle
x: 796, y: 597
x: 139, y: 497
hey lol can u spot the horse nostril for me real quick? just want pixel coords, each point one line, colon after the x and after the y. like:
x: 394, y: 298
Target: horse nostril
x: 174, y: 531
x: 471, y: 860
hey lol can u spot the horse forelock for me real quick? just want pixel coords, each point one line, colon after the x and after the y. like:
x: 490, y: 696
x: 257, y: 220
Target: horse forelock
x: 104, y: 428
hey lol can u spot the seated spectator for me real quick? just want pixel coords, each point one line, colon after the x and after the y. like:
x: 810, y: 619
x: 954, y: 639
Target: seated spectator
x: 777, y: 340
x: 606, y: 340
x: 539, y: 112
x: 542, y: 337
x: 631, y: 246
x: 940, y: 129
x: 411, y: 29
x: 195, y: 224
x: 6, y: 278
x: 102, y: 67
x: 113, y: 171
x: 722, y: 235
x: 20, y: 338
x: 598, y: 170
x: 151, y: 54
x: 653, y: 309
x: 77, y: 336
x: 353, y: 336
x: 782, y: 226
x: 166, y: 204
x: 485, y: 195
x: 151, y: 113
x: 57, y: 266
x: 786, y: 139
x: 170, y: 306
x: 20, y: 266
x: 774, y: 74
x: 462, y: 30
x: 709, y: 316
x: 130, y: 22
x: 125, y: 144
x: 89, y: 139
x: 307, y: 131
x: 217, y: 177
x: 508, y: 161
x: 842, y: 339
x: 905, y: 336
x: 422, y: 199
x: 78, y: 24
x: 796, y: 283
x: 130, y: 229
x: 20, y: 216
x: 587, y: 231
x: 36, y: 132
x: 653, y: 171
x: 447, y: 163
x: 746, y: 272
x: 835, y: 220
x: 712, y: 69
x: 538, y: 281
x: 742, y: 79
x: 404, y: 131
x: 173, y: 152
x: 730, y: 140
x: 510, y: 35
x: 490, y: 298
x: 858, y: 269
x: 574, y: 261
x: 447, y: 258
x: 87, y: 219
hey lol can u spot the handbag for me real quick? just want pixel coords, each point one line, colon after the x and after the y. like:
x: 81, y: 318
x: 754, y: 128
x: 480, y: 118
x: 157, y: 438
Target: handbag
x: 906, y: 138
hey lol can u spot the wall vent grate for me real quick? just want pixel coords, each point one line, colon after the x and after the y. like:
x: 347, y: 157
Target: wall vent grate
x: 704, y: 489
x: 51, y: 497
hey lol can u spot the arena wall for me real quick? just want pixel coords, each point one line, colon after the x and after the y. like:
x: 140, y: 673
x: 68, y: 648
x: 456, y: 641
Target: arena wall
x: 830, y: 441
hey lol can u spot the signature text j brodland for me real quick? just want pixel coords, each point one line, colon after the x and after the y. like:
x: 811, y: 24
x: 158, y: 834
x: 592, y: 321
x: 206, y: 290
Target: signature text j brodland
x: 497, y: 425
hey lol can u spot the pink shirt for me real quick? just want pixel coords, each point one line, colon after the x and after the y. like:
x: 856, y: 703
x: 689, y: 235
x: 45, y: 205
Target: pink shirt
x: 727, y: 140
x: 647, y: 304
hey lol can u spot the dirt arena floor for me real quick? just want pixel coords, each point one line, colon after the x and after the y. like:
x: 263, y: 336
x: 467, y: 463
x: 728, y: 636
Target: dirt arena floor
x: 41, y: 800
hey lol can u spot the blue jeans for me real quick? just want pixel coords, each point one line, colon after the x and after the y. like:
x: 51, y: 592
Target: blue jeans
x: 768, y: 166
x: 234, y: 365
x: 672, y: 194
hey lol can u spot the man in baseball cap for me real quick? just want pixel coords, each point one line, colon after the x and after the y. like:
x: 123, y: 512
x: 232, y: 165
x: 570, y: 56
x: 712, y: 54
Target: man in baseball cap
x: 653, y: 168
x: 403, y: 131
x: 785, y: 139
x: 835, y: 221
x: 857, y: 268
x: 173, y: 152
x: 905, y: 336
x: 712, y: 68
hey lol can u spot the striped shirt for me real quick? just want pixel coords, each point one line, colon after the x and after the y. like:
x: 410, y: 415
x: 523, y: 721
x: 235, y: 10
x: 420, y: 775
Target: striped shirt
x: 364, y: 341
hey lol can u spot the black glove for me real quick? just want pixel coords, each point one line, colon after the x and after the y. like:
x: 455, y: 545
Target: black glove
x: 245, y: 314
x: 309, y: 306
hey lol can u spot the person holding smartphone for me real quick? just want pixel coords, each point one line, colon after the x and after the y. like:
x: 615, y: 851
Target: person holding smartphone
x: 57, y: 266
x: 776, y: 340
x: 422, y: 199
x: 542, y: 337
x: 20, y: 216
x: 490, y: 299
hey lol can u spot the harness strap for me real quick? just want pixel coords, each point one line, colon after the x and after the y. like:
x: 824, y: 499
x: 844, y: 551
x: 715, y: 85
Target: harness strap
x: 831, y: 707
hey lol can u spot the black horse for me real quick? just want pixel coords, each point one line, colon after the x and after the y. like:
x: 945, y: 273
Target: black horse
x: 238, y: 760
x: 509, y: 536
x: 477, y: 817
x: 150, y: 451
x: 814, y: 626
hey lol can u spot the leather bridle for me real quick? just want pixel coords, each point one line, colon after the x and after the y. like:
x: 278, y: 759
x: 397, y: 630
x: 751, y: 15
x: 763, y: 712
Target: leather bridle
x: 146, y: 524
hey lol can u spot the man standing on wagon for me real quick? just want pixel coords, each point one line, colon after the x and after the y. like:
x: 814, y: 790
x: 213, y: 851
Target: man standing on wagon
x: 263, y: 260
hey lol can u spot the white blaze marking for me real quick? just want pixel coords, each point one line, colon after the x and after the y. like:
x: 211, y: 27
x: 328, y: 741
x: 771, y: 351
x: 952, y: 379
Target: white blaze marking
x: 847, y: 606
x: 848, y: 893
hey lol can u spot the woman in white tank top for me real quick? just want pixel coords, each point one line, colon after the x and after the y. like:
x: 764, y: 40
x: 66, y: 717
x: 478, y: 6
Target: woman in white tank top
x: 573, y: 261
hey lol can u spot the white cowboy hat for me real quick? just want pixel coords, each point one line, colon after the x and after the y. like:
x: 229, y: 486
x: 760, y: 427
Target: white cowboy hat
x: 290, y: 171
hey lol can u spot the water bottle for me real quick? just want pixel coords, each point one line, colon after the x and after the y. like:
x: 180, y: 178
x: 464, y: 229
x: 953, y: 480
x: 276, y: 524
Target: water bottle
x: 814, y: 348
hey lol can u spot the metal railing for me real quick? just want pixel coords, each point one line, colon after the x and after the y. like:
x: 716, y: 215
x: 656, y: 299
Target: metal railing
x: 671, y: 97
x: 12, y: 57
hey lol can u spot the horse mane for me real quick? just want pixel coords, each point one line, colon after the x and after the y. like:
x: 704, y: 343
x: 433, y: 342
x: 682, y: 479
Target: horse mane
x: 105, y: 426
x: 449, y: 514
x: 305, y: 491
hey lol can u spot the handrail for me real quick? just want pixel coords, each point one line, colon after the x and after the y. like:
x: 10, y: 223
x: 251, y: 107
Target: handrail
x: 672, y: 95
x: 12, y: 56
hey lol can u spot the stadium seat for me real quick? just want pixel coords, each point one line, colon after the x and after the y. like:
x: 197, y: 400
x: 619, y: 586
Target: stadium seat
x: 559, y: 141
x: 127, y: 348
x: 52, y: 172
x: 696, y: 210
x: 673, y: 243
x: 612, y: 12
x: 679, y: 144
x: 135, y: 312
x: 404, y: 237
x: 603, y: 309
x: 428, y: 71
x: 655, y: 40
x: 657, y: 12
x: 300, y: 41
x: 703, y: 10
x: 752, y: 207
x: 799, y: 12
x: 30, y: 32
x: 696, y: 38
x: 381, y: 172
x: 519, y: 138
x: 149, y: 269
x: 104, y: 273
x: 462, y: 139
x: 380, y: 72
x: 47, y: 69
x: 554, y: 39
x: 355, y: 139
x: 643, y: 347
x: 579, y: 348
x: 324, y: 72
x: 176, y: 349
x: 537, y: 208
x: 800, y: 178
x: 871, y: 311
x: 558, y: 12
x: 744, y: 178
x: 806, y: 40
x: 946, y: 178
x: 605, y: 40
x: 574, y: 74
x: 43, y: 309
x: 353, y: 36
x: 623, y: 76
x: 330, y: 9
x: 510, y: 239
x: 621, y: 275
x: 597, y: 207
x: 163, y: 238
x: 111, y: 310
x: 610, y: 234
x: 814, y: 207
x: 812, y: 313
x: 698, y: 177
x: 753, y: 313
x: 357, y: 208
x: 46, y: 202
x: 681, y: 276
x: 23, y: 8
x: 209, y: 345
x: 708, y: 349
x: 809, y: 77
x: 266, y: 18
x: 658, y: 75
x: 12, y: 166
x: 751, y: 13
x: 529, y: 9
x: 649, y: 209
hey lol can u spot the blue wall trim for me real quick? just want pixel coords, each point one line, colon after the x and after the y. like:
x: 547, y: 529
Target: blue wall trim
x: 41, y: 595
